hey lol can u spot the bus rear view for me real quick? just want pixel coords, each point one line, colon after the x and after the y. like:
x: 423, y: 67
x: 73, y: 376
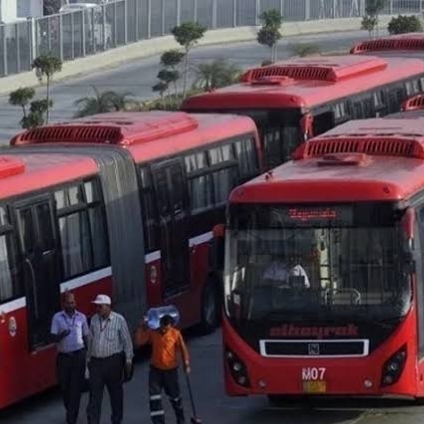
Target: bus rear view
x: 323, y: 275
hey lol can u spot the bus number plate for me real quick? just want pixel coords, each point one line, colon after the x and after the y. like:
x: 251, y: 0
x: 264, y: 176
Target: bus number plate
x: 313, y: 380
x: 318, y: 386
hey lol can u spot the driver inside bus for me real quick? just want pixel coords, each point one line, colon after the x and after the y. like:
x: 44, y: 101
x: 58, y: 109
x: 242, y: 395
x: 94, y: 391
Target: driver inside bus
x: 281, y: 269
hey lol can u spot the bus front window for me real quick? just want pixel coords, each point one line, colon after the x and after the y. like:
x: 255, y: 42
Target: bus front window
x: 315, y: 271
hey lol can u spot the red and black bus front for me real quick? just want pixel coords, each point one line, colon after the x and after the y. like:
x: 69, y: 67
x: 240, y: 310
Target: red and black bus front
x: 320, y: 299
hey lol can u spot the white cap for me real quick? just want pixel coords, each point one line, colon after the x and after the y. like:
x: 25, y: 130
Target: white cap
x: 102, y: 299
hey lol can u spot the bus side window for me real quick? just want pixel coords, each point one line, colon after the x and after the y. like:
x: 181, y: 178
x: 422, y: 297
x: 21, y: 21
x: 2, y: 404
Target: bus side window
x: 395, y: 94
x: 148, y: 209
x: 323, y: 122
x: 179, y: 187
x: 83, y: 228
x: 380, y: 106
x: 224, y: 171
x: 199, y: 182
x: 10, y: 286
x: 247, y: 158
x: 412, y: 87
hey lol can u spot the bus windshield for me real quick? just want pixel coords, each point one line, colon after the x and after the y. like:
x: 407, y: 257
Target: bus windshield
x: 322, y: 264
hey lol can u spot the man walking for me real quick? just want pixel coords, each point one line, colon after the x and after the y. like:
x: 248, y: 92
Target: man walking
x: 167, y: 342
x: 69, y: 330
x: 110, y: 354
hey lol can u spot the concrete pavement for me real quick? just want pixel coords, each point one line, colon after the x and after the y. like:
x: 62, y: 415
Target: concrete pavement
x: 214, y: 407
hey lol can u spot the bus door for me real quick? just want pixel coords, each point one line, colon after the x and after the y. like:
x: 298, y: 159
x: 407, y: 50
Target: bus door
x: 39, y: 252
x: 172, y: 207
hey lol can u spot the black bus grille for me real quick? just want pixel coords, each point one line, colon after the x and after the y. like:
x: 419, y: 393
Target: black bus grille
x: 313, y: 348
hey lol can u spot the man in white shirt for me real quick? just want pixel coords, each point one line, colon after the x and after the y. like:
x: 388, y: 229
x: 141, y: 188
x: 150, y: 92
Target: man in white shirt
x: 110, y: 354
x: 280, y: 269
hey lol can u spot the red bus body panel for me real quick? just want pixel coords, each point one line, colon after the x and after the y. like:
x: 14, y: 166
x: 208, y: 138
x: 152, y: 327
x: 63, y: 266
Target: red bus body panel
x: 344, y: 376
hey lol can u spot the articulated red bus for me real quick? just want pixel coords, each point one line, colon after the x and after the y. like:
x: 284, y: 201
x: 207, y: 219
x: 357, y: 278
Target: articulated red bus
x: 324, y: 268
x: 117, y: 203
x: 293, y: 100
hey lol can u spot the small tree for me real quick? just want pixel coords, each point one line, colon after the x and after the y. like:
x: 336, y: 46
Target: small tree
x: 269, y: 34
x: 404, y: 24
x: 101, y: 102
x: 216, y: 74
x: 171, y: 58
x: 188, y: 35
x: 169, y: 74
x: 373, y: 9
x: 22, y: 97
x: 369, y: 23
x: 35, y: 116
x: 47, y: 65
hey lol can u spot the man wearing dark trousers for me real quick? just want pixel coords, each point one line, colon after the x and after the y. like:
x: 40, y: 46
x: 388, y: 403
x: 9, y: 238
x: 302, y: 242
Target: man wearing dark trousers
x: 110, y: 354
x: 167, y: 343
x: 69, y: 330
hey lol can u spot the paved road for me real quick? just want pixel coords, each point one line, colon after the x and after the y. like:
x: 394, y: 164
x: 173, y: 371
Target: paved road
x: 138, y: 77
x: 216, y: 408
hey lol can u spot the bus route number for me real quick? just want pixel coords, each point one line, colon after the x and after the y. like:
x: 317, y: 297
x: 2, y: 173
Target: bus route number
x: 313, y: 373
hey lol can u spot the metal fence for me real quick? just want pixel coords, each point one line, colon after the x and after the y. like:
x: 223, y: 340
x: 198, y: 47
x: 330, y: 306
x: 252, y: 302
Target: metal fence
x: 79, y: 33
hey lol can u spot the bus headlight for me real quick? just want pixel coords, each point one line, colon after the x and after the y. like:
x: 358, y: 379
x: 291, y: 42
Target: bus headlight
x: 393, y: 367
x: 237, y: 369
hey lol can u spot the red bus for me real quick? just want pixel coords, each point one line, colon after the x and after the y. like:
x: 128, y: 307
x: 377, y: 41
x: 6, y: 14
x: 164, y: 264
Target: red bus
x: 293, y: 100
x: 324, y: 273
x: 120, y: 204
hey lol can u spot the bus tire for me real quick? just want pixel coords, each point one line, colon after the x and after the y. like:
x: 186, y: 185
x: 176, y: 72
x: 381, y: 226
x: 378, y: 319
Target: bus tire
x: 209, y: 309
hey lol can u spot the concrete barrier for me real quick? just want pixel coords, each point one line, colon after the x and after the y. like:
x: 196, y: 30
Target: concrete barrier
x: 154, y: 46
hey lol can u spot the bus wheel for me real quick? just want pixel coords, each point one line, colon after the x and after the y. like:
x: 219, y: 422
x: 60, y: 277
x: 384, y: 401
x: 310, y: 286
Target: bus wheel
x: 209, y: 311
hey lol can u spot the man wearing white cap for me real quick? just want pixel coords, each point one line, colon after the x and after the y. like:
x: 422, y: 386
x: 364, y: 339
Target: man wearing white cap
x: 109, y: 343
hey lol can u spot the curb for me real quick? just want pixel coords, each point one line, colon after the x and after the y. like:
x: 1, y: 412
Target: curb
x: 148, y: 48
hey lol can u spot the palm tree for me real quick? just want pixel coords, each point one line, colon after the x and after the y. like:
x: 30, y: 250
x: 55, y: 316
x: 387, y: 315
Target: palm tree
x: 216, y: 74
x: 101, y: 102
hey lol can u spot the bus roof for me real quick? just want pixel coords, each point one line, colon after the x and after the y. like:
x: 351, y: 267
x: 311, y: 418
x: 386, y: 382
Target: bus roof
x: 306, y: 82
x: 22, y: 173
x: 371, y: 159
x: 413, y: 41
x: 147, y: 135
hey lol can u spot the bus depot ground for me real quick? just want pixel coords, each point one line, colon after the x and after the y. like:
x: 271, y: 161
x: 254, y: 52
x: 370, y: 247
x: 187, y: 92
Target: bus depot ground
x: 215, y: 407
